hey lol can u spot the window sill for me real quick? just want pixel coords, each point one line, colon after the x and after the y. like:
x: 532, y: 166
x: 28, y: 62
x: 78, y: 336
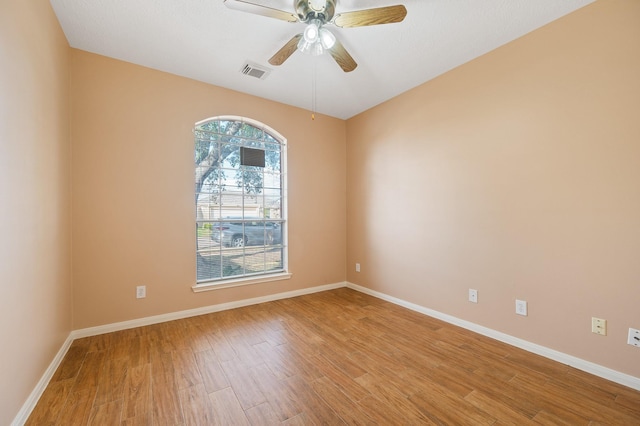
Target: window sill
x: 238, y: 282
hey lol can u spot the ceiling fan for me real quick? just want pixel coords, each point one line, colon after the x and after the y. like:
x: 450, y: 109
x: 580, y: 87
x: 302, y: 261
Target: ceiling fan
x: 315, y: 38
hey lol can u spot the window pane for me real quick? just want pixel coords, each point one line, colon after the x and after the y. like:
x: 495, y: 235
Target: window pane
x: 272, y: 192
x: 204, y: 148
x: 252, y: 180
x: 272, y: 180
x: 209, y: 126
x: 227, y: 234
x: 229, y: 156
x: 230, y: 205
x: 232, y: 263
x: 272, y: 161
x: 273, y: 259
x: 252, y: 205
x: 255, y: 144
x: 249, y: 131
x: 273, y: 233
x: 254, y: 260
x: 208, y: 266
x: 225, y: 126
x: 273, y: 206
x: 274, y: 147
x: 201, y: 170
x: 204, y: 239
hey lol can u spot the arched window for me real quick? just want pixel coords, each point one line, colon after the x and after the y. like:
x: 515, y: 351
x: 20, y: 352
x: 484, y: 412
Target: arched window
x: 241, y: 226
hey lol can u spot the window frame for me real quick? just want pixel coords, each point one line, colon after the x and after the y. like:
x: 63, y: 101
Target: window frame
x: 260, y: 277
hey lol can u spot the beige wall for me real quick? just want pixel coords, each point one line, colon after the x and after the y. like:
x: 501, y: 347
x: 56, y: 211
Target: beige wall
x: 35, y: 209
x: 133, y: 208
x: 517, y: 174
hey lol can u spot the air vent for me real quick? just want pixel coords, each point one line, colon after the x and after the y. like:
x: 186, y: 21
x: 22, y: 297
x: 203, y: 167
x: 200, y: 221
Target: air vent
x: 255, y: 70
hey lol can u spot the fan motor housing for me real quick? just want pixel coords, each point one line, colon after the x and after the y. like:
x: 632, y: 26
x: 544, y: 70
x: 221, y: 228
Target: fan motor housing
x: 306, y: 12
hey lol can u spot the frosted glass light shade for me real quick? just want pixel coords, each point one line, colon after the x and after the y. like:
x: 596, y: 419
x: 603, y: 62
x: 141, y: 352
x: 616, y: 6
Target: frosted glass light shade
x: 327, y: 38
x: 311, y: 32
x: 316, y: 39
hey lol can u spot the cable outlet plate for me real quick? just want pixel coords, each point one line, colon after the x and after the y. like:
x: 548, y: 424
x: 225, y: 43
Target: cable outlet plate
x: 473, y: 295
x: 521, y: 307
x: 599, y: 326
x: 634, y: 337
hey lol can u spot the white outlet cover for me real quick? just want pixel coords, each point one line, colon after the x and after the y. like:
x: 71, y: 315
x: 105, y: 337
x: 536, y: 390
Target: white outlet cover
x: 634, y: 337
x: 141, y: 292
x: 473, y: 295
x: 521, y: 307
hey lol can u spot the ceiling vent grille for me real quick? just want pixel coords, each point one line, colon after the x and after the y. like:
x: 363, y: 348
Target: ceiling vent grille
x: 255, y: 70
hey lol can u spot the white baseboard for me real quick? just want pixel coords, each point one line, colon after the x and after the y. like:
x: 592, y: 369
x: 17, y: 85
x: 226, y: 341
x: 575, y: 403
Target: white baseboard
x: 156, y: 319
x: 580, y: 364
x: 35, y: 395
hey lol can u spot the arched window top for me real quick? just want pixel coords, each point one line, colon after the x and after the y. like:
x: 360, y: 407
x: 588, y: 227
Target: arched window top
x: 242, y: 127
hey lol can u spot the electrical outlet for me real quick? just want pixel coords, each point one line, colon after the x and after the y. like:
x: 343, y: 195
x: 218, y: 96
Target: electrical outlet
x: 634, y: 337
x: 357, y: 267
x: 473, y: 295
x: 141, y: 292
x: 599, y: 326
x: 521, y: 307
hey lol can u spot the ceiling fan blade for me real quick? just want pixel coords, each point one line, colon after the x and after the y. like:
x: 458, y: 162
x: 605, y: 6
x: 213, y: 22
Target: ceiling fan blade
x: 362, y: 18
x: 258, y: 9
x: 286, y: 51
x: 342, y: 57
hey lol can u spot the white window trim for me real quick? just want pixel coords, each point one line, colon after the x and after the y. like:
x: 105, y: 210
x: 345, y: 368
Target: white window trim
x: 238, y: 282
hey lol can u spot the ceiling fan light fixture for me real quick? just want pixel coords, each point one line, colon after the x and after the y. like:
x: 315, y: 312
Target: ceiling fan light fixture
x: 314, y: 49
x: 315, y: 39
x: 312, y: 31
x: 327, y: 38
x: 304, y: 46
x: 317, y: 49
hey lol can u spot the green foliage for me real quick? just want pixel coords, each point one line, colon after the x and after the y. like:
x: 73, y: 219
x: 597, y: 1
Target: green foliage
x: 204, y: 231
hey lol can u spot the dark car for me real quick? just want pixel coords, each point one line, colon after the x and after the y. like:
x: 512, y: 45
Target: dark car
x: 247, y: 233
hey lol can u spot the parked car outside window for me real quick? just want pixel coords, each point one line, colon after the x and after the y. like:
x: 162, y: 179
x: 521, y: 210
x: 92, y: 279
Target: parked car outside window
x: 247, y: 233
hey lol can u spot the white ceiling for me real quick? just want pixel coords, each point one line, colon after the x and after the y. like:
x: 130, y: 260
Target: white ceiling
x: 206, y: 41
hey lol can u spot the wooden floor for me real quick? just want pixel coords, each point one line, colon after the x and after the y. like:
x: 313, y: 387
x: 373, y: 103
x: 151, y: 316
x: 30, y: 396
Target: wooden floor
x: 337, y: 357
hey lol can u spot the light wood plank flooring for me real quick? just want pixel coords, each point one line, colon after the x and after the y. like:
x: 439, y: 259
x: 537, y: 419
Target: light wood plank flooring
x: 337, y: 357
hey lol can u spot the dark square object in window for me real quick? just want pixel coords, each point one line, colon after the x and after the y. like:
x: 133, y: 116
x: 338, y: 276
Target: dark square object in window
x: 251, y: 157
